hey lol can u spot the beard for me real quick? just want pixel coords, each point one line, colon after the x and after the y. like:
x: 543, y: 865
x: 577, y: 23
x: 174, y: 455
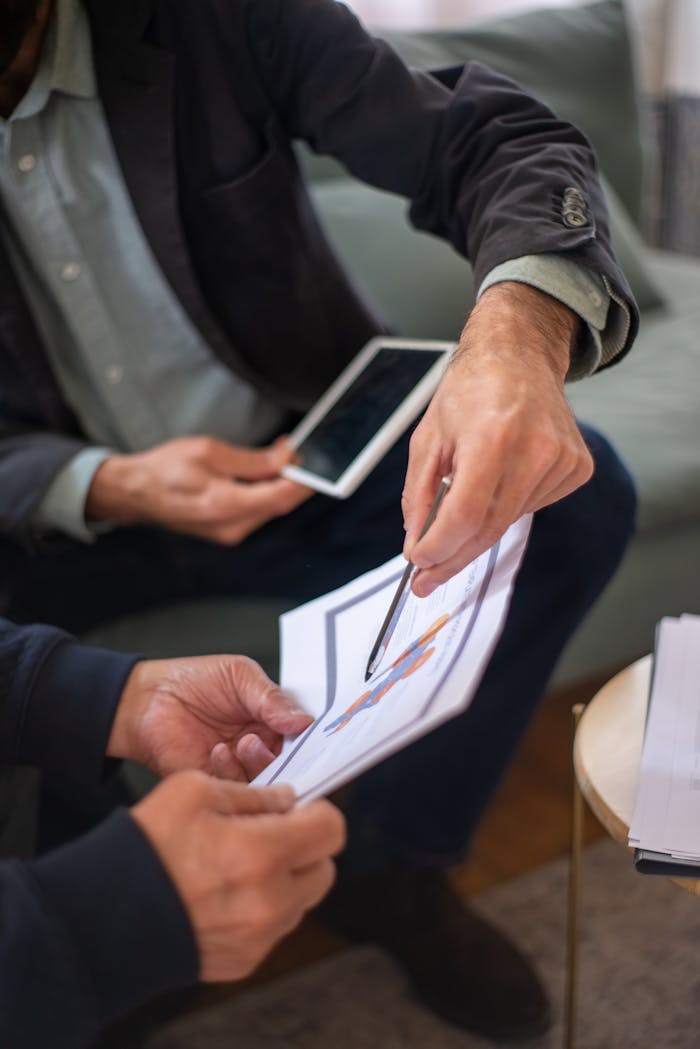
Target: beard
x: 16, y: 16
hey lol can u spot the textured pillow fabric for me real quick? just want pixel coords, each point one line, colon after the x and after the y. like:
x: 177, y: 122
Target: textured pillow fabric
x: 632, y: 253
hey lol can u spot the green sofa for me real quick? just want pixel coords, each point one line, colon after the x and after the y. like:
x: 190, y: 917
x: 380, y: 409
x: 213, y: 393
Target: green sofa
x: 579, y: 61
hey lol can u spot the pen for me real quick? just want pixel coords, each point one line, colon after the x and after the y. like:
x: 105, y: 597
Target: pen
x: 432, y: 514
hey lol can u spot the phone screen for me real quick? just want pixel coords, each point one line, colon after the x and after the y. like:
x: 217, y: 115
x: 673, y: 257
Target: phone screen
x: 362, y: 409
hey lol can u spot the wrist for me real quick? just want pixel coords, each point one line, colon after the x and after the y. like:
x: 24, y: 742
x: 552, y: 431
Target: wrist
x: 546, y: 330
x: 114, y: 491
x: 125, y: 736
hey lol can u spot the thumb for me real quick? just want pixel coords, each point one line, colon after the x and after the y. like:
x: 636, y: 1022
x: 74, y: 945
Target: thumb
x: 265, y: 701
x: 281, y: 712
x: 249, y: 464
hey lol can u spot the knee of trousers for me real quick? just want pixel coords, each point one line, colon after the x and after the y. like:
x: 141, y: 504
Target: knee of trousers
x: 599, y: 518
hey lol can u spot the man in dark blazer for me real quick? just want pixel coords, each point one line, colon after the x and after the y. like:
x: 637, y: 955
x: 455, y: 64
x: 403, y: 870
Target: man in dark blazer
x: 168, y: 301
x: 197, y: 881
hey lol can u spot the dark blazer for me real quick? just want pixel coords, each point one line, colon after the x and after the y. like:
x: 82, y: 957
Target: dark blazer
x: 204, y: 99
x: 95, y: 927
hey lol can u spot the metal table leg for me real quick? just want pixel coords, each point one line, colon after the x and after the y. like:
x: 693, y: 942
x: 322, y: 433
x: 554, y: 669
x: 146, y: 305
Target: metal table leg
x: 574, y: 894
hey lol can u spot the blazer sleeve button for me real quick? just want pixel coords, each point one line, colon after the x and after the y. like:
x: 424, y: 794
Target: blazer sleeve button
x: 574, y: 218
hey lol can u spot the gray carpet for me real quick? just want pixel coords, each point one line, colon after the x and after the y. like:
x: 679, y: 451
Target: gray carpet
x: 639, y: 976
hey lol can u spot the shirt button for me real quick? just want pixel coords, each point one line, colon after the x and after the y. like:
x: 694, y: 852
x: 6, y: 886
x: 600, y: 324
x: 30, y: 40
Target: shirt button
x: 114, y: 373
x: 26, y: 163
x: 595, y: 297
x: 70, y: 271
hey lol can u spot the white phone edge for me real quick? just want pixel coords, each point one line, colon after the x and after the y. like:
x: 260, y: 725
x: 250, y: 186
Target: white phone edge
x: 388, y: 433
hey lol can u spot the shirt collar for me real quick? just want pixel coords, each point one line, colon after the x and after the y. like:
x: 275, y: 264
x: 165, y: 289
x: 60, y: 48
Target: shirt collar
x: 66, y: 64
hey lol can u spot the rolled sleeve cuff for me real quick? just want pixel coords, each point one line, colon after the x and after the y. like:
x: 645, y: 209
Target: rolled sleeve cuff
x: 606, y: 318
x: 63, y: 505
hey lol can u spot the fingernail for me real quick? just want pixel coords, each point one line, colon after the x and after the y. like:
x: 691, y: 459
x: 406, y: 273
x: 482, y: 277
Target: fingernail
x: 424, y: 589
x: 254, y: 745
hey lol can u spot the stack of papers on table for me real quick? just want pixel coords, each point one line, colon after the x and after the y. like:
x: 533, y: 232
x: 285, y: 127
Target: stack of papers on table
x: 665, y: 828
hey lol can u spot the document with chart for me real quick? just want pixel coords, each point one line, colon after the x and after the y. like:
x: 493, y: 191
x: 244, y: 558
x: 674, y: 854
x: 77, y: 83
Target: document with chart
x: 666, y: 821
x: 433, y: 658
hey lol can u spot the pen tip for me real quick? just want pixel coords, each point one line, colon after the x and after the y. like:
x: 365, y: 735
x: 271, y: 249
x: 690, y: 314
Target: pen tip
x: 368, y: 672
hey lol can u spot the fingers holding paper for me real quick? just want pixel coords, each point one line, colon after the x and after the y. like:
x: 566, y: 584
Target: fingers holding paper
x: 246, y: 865
x: 501, y: 426
x: 220, y: 714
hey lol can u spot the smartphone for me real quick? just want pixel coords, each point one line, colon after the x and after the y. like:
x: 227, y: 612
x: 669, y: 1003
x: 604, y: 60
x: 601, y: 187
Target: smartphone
x: 371, y: 403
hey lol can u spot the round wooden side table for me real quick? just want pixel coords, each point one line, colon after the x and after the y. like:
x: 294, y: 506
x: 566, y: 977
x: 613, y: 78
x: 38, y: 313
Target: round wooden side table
x: 607, y: 752
x: 608, y: 747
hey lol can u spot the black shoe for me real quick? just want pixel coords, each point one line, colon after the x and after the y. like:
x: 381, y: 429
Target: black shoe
x: 461, y: 967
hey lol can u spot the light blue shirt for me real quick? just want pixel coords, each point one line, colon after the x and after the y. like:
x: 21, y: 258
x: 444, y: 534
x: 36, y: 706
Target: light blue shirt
x: 129, y: 362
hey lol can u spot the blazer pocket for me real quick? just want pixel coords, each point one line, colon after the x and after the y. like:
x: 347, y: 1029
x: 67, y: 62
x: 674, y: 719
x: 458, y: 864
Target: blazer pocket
x: 267, y: 269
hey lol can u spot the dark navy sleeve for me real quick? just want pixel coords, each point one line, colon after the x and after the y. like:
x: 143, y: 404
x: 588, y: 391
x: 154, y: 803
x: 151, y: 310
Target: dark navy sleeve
x: 57, y: 700
x: 87, y: 933
x: 96, y: 927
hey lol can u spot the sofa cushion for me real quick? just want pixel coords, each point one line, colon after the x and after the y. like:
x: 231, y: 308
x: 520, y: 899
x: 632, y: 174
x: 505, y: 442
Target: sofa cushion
x: 649, y: 404
x: 198, y: 628
x: 632, y: 253
x: 419, y: 285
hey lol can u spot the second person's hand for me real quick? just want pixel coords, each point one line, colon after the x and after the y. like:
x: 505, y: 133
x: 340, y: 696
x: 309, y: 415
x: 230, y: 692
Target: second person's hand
x: 246, y: 867
x: 196, y: 486
x: 220, y: 714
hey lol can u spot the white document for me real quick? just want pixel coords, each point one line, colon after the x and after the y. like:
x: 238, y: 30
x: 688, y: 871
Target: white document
x: 436, y: 651
x: 654, y: 783
x: 667, y: 810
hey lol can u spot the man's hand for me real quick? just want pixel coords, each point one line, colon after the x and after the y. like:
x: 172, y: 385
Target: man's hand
x: 500, y: 424
x: 220, y: 714
x: 246, y: 868
x: 198, y: 486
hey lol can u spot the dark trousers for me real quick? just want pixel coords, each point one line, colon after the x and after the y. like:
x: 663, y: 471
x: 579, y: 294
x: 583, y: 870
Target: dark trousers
x: 425, y: 802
